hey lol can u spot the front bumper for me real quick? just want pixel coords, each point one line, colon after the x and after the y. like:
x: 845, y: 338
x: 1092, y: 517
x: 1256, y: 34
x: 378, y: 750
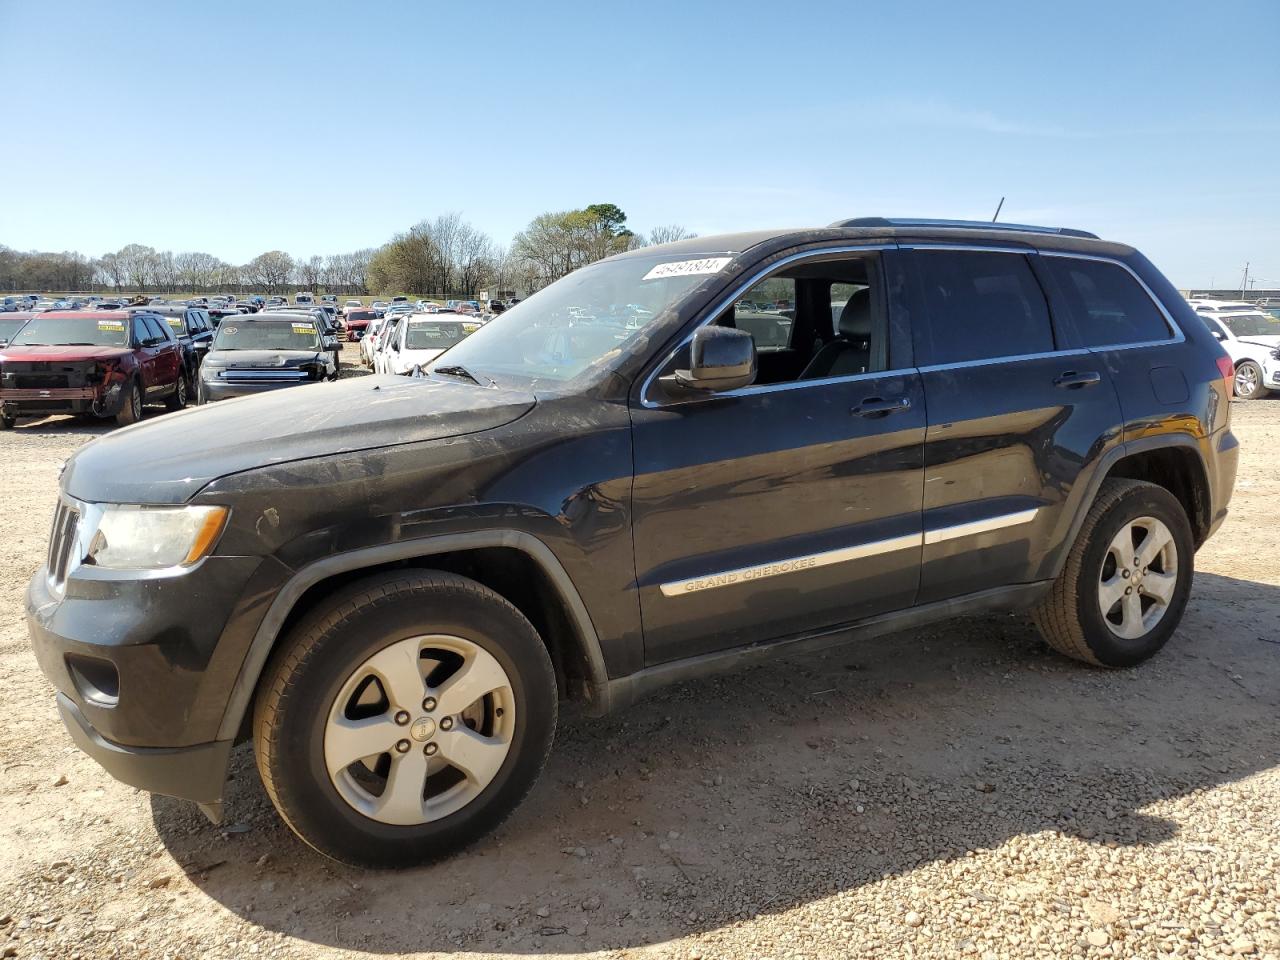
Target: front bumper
x: 189, y: 773
x: 39, y: 402
x: 224, y: 390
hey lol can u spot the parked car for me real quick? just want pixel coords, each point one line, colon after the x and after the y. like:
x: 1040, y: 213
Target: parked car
x: 329, y: 298
x: 304, y: 299
x: 264, y: 352
x: 192, y: 328
x: 426, y: 306
x: 106, y: 364
x: 358, y: 320
x: 386, y: 337
x: 1251, y: 337
x: 369, y: 342
x: 353, y: 305
x: 276, y: 302
x: 11, y: 323
x: 420, y: 338
x: 392, y: 586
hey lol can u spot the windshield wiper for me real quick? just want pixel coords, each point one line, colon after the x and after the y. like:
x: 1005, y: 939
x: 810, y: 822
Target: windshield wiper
x: 458, y: 370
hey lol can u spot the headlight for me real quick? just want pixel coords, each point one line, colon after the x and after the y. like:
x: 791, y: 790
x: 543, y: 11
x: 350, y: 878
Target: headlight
x: 153, y: 538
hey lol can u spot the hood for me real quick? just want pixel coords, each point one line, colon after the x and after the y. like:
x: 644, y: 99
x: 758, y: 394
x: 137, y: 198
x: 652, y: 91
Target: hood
x: 169, y: 459
x: 261, y: 359
x: 1261, y: 341
x: 57, y: 354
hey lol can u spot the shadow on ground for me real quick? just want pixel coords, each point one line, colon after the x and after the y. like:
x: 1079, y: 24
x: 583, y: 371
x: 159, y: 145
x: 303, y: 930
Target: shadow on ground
x: 752, y: 793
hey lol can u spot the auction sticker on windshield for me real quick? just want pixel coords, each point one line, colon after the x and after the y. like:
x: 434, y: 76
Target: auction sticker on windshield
x: 688, y: 268
x: 303, y: 328
x: 116, y: 325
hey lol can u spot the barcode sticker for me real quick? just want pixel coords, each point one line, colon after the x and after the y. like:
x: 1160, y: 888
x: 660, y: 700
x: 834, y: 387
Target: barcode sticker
x: 688, y: 268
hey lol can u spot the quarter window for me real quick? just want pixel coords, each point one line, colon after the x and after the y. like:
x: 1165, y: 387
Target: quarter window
x: 1107, y: 305
x: 979, y: 306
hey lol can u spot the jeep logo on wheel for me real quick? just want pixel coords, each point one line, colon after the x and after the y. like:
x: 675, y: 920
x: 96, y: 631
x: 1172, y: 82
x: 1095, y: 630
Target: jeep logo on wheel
x: 423, y: 729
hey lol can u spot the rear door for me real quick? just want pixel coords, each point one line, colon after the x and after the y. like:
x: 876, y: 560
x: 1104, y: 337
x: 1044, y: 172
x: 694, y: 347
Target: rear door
x: 1016, y: 419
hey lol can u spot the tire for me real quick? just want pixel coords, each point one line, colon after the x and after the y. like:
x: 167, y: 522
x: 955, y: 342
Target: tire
x: 7, y: 422
x: 178, y: 399
x: 201, y: 399
x: 314, y: 681
x: 1070, y: 616
x: 1248, y: 381
x: 131, y: 409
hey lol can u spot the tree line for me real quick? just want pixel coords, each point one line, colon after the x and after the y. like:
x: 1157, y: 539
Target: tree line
x: 444, y: 256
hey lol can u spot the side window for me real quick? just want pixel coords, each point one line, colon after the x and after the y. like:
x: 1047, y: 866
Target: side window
x: 161, y: 328
x: 1107, y: 305
x: 767, y: 311
x: 979, y: 306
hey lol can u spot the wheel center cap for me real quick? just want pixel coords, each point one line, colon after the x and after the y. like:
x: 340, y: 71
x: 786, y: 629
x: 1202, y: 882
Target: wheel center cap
x: 423, y: 729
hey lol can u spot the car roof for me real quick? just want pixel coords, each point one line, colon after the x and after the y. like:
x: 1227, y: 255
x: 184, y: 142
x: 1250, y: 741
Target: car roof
x: 889, y: 230
x: 292, y: 316
x: 87, y: 314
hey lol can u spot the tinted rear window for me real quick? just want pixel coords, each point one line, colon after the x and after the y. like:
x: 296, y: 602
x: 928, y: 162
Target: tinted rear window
x: 979, y: 306
x: 1106, y: 304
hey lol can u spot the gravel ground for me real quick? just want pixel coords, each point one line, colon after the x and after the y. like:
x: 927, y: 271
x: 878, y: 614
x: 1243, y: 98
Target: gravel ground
x: 950, y: 792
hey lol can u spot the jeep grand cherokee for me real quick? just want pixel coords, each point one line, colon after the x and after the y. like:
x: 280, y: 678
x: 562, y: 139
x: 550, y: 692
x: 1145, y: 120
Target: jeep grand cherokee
x: 612, y: 486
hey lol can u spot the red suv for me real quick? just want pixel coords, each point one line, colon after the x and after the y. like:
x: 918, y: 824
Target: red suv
x: 107, y: 363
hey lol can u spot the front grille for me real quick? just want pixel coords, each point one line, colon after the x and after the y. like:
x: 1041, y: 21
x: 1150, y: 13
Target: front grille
x: 45, y: 375
x: 62, y: 540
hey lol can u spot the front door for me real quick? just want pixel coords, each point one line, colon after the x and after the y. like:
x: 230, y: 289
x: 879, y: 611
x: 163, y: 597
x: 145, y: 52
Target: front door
x: 791, y: 505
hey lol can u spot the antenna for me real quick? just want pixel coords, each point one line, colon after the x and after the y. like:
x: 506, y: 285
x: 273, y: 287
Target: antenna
x: 998, y: 206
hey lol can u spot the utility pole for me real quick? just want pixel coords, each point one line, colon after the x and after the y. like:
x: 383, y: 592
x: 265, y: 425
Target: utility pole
x: 1244, y: 281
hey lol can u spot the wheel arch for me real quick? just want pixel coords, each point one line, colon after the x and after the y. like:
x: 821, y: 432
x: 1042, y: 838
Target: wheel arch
x: 514, y: 564
x: 1171, y: 461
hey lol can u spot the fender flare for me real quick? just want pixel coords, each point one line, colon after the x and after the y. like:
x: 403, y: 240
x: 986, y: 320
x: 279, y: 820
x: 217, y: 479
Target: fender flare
x: 268, y: 631
x: 1103, y: 470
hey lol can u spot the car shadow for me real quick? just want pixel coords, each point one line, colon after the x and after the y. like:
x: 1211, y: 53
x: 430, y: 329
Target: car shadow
x: 751, y: 793
x: 68, y: 425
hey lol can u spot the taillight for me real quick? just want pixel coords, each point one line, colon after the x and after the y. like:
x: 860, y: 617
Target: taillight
x: 1228, y: 371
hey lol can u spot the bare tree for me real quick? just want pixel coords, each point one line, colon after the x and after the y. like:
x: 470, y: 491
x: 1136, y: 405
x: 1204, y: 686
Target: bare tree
x: 669, y: 234
x: 270, y: 270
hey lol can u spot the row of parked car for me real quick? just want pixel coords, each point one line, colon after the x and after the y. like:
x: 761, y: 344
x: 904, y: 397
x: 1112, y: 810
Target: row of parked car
x: 112, y: 362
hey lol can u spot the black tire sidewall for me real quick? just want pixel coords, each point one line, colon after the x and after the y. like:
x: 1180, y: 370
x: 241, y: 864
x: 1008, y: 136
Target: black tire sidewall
x: 319, y: 813
x: 1145, y: 501
x: 127, y: 415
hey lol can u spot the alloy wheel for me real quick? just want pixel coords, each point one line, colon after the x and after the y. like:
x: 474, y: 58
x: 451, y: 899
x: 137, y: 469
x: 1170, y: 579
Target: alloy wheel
x: 1246, y: 380
x: 1138, y: 579
x: 419, y: 729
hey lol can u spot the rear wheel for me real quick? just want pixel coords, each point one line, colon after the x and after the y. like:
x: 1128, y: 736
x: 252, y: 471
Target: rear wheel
x: 131, y: 409
x: 1248, y: 382
x: 404, y: 718
x: 1125, y: 584
x: 7, y: 422
x: 178, y: 399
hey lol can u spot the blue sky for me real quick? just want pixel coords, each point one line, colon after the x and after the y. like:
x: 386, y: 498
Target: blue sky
x: 235, y: 127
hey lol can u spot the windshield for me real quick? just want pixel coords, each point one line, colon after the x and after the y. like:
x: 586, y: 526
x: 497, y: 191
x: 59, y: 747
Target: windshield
x: 74, y: 331
x: 424, y: 335
x: 1252, y: 324
x: 8, y: 327
x: 583, y: 320
x: 266, y: 335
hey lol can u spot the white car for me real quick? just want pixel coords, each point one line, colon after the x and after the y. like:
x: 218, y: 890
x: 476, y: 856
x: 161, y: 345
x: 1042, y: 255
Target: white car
x: 418, y: 339
x: 387, y: 336
x: 1251, y: 337
x: 369, y: 343
x: 427, y: 306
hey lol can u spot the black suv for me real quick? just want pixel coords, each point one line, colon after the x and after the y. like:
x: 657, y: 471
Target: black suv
x: 611, y: 487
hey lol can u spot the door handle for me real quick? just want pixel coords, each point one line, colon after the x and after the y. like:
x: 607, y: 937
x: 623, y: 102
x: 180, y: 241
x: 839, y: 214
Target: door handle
x: 1074, y: 381
x: 878, y: 407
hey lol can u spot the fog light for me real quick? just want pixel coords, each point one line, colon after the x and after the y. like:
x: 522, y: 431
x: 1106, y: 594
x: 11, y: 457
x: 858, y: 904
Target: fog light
x: 97, y: 681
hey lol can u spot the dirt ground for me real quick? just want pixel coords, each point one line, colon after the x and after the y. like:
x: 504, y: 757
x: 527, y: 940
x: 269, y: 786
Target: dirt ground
x: 953, y: 791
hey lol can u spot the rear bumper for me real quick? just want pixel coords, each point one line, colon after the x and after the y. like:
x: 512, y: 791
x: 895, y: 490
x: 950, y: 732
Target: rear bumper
x: 188, y: 773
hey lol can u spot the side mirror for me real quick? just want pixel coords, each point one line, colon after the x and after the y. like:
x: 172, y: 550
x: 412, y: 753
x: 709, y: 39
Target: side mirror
x: 720, y: 358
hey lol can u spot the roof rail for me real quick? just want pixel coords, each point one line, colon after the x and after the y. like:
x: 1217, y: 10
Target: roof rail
x: 960, y: 225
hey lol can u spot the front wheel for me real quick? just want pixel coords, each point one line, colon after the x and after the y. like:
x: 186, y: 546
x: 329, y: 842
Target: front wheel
x: 404, y: 718
x: 1248, y: 382
x: 7, y: 422
x: 1126, y: 581
x: 131, y: 408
